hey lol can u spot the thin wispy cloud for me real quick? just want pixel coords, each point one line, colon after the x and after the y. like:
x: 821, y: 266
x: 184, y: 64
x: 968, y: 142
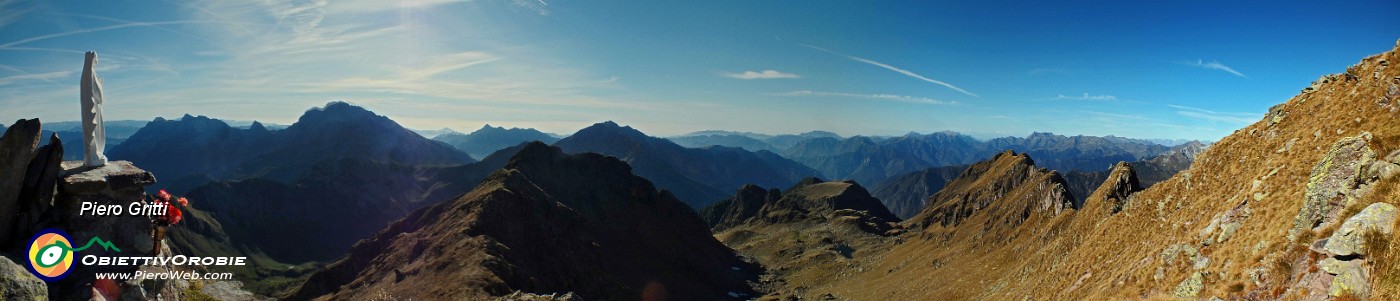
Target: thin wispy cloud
x: 893, y: 68
x: 885, y: 97
x: 765, y: 74
x: 1214, y: 65
x: 1086, y: 96
x: 10, y: 12
x: 538, y: 6
x: 96, y: 29
x: 31, y: 77
x: 1228, y: 117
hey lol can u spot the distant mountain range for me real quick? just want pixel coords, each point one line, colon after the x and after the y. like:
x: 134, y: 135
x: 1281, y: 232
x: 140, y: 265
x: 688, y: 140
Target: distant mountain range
x: 872, y: 160
x: 197, y: 149
x: 747, y: 140
x: 1150, y: 171
x: 905, y: 194
x: 489, y: 139
x: 698, y: 176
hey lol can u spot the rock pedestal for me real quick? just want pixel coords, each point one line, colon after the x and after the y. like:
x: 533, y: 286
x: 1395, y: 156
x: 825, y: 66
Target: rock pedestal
x: 116, y: 183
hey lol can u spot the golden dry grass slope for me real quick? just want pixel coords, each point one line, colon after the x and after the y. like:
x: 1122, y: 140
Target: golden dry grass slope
x: 1220, y: 229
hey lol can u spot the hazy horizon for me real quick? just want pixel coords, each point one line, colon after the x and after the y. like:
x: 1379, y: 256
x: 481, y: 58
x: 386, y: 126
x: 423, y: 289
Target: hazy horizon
x: 1147, y: 71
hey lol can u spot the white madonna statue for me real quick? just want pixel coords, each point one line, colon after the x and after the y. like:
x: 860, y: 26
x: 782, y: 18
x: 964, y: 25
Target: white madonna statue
x: 94, y: 135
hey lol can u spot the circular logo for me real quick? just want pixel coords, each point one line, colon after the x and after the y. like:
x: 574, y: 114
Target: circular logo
x: 51, y: 254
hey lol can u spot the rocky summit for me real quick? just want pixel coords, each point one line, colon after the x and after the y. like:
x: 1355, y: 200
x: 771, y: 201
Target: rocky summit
x: 548, y: 223
x: 1009, y: 182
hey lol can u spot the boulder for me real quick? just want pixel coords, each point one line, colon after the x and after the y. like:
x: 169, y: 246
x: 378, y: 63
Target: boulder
x: 16, y: 149
x: 1190, y: 287
x: 1276, y: 114
x: 1332, y: 180
x: 1349, y: 239
x: 1352, y: 278
x: 16, y: 283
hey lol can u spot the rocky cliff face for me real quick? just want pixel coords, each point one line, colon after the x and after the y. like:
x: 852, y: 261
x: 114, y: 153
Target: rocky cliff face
x: 547, y: 223
x: 741, y: 207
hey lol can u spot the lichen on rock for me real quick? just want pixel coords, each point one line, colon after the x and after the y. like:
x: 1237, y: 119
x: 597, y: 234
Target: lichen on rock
x: 1332, y: 181
x: 1350, y: 240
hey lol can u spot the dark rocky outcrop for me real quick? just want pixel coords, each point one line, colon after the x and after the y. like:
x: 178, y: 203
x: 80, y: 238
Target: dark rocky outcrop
x: 16, y: 150
x: 1122, y: 182
x: 735, y: 210
x: 40, y: 185
x: 547, y: 223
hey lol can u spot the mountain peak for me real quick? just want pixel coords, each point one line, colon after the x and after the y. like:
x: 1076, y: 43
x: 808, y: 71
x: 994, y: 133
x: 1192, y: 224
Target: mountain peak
x: 611, y: 127
x: 532, y: 151
x: 338, y: 111
x: 1000, y: 190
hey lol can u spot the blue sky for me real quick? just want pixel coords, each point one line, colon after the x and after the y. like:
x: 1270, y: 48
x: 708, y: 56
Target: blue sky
x: 1183, y: 69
